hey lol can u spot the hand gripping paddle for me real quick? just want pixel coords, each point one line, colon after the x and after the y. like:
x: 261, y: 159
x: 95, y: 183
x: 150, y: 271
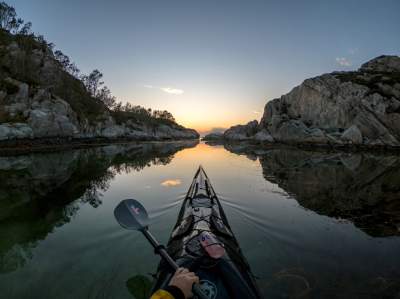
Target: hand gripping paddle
x: 131, y: 215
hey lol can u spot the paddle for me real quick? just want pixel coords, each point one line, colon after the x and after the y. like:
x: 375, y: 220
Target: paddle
x: 130, y: 214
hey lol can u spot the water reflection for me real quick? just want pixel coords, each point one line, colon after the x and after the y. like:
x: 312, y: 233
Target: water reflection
x: 171, y: 183
x: 363, y: 188
x: 311, y: 224
x: 42, y: 191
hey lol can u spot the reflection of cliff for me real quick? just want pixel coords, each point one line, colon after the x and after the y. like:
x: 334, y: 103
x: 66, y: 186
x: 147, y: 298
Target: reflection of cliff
x: 41, y: 191
x: 361, y: 187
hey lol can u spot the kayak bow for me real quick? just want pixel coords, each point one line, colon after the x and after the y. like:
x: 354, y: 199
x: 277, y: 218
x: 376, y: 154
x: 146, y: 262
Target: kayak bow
x: 203, y: 242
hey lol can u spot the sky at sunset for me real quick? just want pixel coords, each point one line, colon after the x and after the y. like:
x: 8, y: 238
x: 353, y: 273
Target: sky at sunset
x: 214, y: 64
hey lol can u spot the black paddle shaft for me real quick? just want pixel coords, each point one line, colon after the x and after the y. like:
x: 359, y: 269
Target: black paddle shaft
x: 164, y: 254
x: 160, y: 249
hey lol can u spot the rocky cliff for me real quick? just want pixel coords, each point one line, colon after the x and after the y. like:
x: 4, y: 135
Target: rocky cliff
x: 39, y: 99
x: 359, y: 108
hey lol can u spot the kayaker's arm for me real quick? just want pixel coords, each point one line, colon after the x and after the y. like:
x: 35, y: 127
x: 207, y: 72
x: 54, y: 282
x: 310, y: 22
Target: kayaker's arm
x: 180, y: 286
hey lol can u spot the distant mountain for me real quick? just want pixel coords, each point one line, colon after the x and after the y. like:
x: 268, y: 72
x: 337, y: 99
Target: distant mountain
x: 215, y: 130
x: 359, y: 108
x: 214, y: 136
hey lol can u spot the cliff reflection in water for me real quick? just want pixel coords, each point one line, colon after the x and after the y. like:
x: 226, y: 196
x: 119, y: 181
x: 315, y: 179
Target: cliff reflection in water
x: 39, y: 192
x: 363, y: 188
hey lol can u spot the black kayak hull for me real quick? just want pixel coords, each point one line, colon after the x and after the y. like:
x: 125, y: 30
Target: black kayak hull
x: 228, y: 276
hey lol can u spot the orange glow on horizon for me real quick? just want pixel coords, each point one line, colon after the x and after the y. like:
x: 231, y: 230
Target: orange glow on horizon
x: 204, y: 112
x: 203, y: 126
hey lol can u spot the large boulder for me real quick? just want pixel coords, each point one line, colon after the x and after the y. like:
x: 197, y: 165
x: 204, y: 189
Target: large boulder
x: 52, y: 118
x: 291, y: 131
x: 263, y: 136
x: 242, y: 132
x: 353, y: 135
x: 295, y: 131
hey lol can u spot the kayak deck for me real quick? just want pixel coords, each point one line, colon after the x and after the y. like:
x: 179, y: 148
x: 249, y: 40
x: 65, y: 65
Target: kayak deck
x: 203, y: 242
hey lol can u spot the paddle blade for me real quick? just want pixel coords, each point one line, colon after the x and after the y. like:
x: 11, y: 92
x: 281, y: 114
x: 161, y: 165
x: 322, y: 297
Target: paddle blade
x: 130, y: 214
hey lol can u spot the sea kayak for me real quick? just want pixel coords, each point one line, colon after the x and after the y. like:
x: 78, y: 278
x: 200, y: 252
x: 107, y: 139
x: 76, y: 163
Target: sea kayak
x: 203, y: 242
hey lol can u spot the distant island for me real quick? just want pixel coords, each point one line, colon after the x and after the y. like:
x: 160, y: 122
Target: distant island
x: 43, y: 96
x: 340, y: 109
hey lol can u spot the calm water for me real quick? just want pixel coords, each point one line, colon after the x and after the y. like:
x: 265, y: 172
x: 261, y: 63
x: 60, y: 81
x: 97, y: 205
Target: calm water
x: 311, y: 224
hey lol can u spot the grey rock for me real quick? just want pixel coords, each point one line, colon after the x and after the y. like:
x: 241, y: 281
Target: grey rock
x: 353, y: 134
x: 10, y: 131
x: 242, y: 132
x: 171, y: 132
x: 263, y: 136
x: 5, y: 131
x: 42, y: 123
x: 113, y: 132
x: 136, y: 134
x: 53, y: 118
x: 291, y: 131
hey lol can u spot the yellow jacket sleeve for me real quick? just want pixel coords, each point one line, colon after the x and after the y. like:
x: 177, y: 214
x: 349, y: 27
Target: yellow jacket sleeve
x: 162, y: 294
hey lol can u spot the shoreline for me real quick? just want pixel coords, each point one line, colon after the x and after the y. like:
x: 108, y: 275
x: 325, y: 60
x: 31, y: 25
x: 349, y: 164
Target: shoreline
x: 26, y: 146
x: 345, y: 148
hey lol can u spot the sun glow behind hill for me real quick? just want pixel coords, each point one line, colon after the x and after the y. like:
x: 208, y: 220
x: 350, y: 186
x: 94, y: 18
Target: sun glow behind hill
x: 206, y: 112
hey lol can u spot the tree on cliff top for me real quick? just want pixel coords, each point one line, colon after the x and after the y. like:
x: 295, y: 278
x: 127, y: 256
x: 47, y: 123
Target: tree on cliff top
x: 10, y: 22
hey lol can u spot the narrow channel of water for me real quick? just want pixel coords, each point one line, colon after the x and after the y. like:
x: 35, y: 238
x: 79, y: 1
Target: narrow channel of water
x: 311, y: 224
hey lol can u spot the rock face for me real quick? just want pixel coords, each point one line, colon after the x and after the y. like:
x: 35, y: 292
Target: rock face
x: 38, y: 99
x: 242, y: 132
x: 340, y: 108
